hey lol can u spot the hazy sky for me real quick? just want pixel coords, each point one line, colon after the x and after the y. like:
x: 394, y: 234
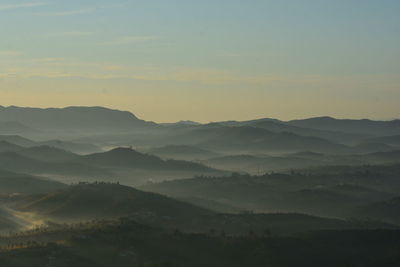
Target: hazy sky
x: 205, y: 60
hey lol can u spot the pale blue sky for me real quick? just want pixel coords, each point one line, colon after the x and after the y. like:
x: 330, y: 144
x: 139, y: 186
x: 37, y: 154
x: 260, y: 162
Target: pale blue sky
x: 204, y: 60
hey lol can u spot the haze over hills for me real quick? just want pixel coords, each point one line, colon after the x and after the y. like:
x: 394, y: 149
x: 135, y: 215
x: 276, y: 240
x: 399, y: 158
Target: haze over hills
x: 80, y: 148
x: 235, y: 182
x: 182, y: 152
x: 324, y: 191
x: 364, y: 126
x: 289, y: 177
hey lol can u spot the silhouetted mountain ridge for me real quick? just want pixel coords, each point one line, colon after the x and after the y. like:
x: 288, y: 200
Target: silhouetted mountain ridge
x: 73, y: 118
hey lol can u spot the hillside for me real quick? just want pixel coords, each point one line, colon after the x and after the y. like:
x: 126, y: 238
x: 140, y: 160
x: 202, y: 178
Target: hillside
x: 17, y: 140
x: 323, y: 191
x: 80, y: 148
x: 129, y: 158
x: 261, y: 164
x: 9, y: 147
x: 251, y: 139
x: 393, y: 140
x: 101, y: 200
x: 12, y: 127
x: 48, y: 153
x: 105, y: 201
x: 388, y: 211
x: 278, y: 126
x: 31, y: 164
x: 126, y: 243
x: 22, y: 183
x: 182, y: 152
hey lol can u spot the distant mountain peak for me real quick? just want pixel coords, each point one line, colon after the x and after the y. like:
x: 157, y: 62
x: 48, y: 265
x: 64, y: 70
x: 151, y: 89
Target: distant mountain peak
x: 74, y: 118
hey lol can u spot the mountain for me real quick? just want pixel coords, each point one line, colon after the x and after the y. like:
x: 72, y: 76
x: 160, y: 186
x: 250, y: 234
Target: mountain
x: 182, y: 123
x: 368, y: 127
x: 182, y: 152
x: 22, y: 183
x: 89, y: 119
x: 129, y: 158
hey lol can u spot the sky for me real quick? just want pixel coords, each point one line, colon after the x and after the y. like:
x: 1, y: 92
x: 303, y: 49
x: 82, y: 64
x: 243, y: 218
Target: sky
x: 208, y: 60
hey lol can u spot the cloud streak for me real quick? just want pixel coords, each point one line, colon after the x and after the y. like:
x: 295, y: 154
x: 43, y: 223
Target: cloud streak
x: 71, y: 12
x: 21, y: 5
x: 73, y: 34
x: 10, y: 53
x: 126, y: 40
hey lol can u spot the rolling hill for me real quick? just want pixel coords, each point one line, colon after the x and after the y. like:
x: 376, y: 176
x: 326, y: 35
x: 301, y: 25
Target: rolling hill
x: 101, y: 200
x: 252, y: 139
x: 388, y: 211
x: 182, y: 152
x: 11, y: 183
x: 129, y: 158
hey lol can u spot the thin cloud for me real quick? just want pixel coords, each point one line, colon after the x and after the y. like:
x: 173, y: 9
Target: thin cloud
x: 71, y: 12
x: 21, y: 5
x: 130, y: 40
x: 73, y: 34
x: 10, y: 53
x: 81, y: 11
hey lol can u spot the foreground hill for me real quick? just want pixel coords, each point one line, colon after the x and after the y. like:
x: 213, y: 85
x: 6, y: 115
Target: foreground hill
x: 127, y: 243
x: 21, y: 183
x: 100, y: 200
x: 388, y: 210
x: 104, y: 201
